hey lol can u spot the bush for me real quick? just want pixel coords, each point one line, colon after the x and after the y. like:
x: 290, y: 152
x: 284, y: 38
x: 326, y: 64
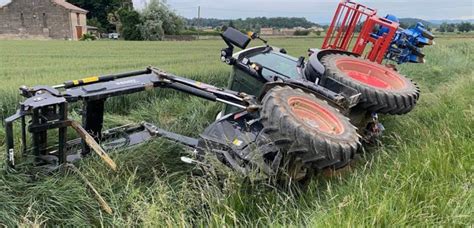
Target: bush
x: 88, y: 37
x: 152, y: 30
x: 465, y: 27
x: 301, y: 33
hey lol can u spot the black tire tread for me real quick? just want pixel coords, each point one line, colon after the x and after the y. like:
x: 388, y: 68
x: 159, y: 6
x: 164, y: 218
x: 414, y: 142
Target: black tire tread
x: 315, y: 149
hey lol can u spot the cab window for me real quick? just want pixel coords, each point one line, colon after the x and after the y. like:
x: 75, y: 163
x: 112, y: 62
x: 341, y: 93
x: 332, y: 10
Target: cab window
x: 276, y: 64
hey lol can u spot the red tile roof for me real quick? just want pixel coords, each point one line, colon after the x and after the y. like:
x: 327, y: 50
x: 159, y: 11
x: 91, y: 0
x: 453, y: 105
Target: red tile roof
x: 70, y: 6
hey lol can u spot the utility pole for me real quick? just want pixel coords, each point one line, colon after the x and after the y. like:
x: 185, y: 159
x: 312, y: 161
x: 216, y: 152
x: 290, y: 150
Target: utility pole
x: 199, y: 20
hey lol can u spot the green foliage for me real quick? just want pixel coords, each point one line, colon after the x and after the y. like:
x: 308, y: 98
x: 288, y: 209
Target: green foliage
x: 465, y: 27
x: 231, y: 24
x: 445, y: 27
x: 88, y: 37
x: 451, y: 28
x: 131, y: 21
x: 152, y: 30
x: 100, y: 9
x: 421, y: 176
x: 153, y: 23
x: 253, y: 23
x: 94, y: 22
x: 301, y: 32
x: 159, y: 20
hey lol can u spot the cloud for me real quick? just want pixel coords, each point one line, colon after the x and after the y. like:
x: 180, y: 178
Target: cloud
x: 321, y: 10
x: 316, y: 10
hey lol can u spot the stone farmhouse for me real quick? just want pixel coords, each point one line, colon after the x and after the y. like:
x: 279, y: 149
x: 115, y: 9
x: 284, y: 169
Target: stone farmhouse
x: 43, y: 19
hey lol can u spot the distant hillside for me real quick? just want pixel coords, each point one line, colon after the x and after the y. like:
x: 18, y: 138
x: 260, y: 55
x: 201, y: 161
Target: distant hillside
x: 408, y: 22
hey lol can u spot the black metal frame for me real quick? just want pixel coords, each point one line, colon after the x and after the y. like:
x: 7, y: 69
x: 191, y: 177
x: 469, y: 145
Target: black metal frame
x: 47, y: 108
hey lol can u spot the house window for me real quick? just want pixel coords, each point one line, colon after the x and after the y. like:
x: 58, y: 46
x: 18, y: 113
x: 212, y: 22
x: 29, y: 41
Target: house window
x: 45, y: 21
x: 78, y: 18
x: 22, y: 18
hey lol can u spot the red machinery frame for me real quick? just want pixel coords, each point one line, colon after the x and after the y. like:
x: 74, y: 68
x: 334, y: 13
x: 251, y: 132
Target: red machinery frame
x: 342, y: 31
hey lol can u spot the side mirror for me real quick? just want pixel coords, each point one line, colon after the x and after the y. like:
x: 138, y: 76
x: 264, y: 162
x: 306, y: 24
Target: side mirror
x: 234, y: 37
x: 253, y: 35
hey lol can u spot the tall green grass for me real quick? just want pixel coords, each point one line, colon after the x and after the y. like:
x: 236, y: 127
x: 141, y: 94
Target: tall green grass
x: 422, y: 175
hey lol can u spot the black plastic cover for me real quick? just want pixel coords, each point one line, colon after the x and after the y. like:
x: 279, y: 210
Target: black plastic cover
x: 236, y: 38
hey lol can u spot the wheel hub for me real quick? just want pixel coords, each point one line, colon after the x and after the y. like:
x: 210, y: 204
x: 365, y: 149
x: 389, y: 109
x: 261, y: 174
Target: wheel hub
x: 315, y: 116
x: 370, y: 74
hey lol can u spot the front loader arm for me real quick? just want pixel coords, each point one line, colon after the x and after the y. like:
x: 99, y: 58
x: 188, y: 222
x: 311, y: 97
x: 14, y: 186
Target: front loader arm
x: 46, y: 107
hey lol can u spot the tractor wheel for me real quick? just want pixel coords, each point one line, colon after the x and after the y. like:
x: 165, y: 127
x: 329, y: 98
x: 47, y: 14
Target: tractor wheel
x: 309, y: 133
x: 383, y: 90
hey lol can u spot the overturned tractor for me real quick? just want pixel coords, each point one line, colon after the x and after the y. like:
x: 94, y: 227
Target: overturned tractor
x: 284, y: 116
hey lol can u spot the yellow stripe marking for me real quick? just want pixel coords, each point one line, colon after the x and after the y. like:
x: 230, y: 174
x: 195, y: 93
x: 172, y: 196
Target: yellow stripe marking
x: 90, y: 79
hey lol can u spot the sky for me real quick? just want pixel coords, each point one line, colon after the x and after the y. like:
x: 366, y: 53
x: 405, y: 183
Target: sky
x: 320, y: 10
x: 317, y: 10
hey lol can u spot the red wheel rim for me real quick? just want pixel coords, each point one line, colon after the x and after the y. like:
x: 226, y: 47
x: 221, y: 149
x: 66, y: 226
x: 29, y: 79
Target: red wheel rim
x: 315, y: 115
x: 371, y: 74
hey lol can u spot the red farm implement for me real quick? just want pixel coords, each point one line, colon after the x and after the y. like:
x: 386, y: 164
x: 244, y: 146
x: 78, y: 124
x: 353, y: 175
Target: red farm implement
x: 354, y: 27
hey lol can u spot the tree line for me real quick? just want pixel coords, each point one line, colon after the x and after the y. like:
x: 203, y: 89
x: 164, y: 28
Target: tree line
x: 451, y: 27
x: 253, y: 23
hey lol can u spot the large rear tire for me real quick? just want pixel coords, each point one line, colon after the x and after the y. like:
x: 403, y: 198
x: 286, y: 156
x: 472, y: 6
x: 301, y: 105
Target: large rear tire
x: 310, y: 133
x: 383, y: 90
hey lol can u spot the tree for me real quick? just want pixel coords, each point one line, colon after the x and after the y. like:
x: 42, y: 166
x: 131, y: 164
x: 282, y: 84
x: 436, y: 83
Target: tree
x: 152, y: 30
x: 253, y: 23
x: 465, y: 27
x: 131, y: 21
x: 99, y: 11
x: 94, y: 22
x: 451, y: 28
x: 159, y: 20
x: 114, y: 19
x: 443, y: 27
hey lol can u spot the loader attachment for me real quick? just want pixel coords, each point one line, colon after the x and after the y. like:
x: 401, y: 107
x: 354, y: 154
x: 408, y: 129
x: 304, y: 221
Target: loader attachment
x: 46, y: 109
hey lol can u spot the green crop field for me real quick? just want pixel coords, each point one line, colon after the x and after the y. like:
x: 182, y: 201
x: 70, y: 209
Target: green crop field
x: 422, y: 175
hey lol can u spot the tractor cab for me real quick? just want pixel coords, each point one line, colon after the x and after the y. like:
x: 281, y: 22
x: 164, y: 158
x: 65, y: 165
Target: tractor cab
x: 272, y: 63
x: 257, y: 69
